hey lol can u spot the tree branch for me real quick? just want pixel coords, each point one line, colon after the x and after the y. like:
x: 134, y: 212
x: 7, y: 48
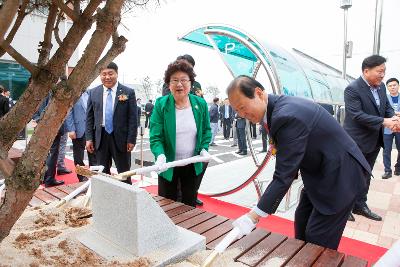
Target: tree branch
x: 57, y: 29
x: 21, y: 15
x: 46, y: 44
x: 7, y: 14
x: 68, y: 11
x: 19, y: 58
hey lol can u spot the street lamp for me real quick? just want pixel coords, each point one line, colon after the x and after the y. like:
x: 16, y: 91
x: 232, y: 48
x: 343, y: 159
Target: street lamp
x: 347, y: 45
x: 378, y: 22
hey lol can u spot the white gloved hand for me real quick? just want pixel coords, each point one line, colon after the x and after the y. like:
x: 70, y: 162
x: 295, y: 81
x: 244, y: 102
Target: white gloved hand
x: 244, y: 224
x: 204, y: 153
x: 161, y: 163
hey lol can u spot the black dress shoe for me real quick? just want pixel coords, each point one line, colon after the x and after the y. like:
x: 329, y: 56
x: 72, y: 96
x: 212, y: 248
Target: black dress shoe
x: 397, y: 173
x: 238, y: 152
x: 82, y: 179
x: 387, y: 175
x: 351, y: 218
x: 63, y: 171
x: 199, y: 202
x: 243, y: 153
x: 366, y: 212
x: 53, y: 182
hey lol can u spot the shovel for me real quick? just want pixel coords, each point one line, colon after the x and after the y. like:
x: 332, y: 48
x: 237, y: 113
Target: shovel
x: 221, y: 247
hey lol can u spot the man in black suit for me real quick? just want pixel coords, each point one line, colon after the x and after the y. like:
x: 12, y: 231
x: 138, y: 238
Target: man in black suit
x: 111, y: 124
x: 307, y: 139
x: 148, y: 109
x: 227, y: 116
x: 241, y: 135
x: 4, y: 102
x: 367, y: 113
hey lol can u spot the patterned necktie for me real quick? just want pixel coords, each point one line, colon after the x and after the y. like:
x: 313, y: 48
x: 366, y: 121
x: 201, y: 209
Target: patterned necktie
x: 109, y: 113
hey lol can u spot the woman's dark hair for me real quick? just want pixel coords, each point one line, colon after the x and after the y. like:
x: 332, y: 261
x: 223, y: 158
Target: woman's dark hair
x: 246, y: 84
x: 372, y: 62
x: 392, y: 80
x: 179, y: 65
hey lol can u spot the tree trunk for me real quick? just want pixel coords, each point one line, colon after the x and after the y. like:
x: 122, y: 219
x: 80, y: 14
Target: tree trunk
x: 26, y: 176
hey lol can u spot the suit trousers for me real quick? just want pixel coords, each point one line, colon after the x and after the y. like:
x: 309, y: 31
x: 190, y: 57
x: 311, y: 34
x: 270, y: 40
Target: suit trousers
x: 108, y: 151
x: 78, y: 147
x: 241, y: 134
x: 51, y: 161
x: 253, y: 130
x: 226, y: 123
x: 147, y: 122
x: 387, y: 151
x: 188, y: 180
x: 61, y: 152
x: 362, y: 198
x: 312, y: 226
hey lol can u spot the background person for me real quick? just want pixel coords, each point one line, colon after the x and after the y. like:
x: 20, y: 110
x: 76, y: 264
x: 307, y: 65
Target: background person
x: 214, y: 115
x: 333, y: 172
x: 148, y: 109
x: 227, y: 117
x: 368, y: 111
x: 4, y: 102
x: 393, y: 87
x: 180, y: 128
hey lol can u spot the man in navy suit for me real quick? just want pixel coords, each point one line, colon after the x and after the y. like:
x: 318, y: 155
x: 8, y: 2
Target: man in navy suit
x: 226, y: 116
x: 368, y: 111
x: 307, y: 139
x: 111, y: 125
x: 76, y: 127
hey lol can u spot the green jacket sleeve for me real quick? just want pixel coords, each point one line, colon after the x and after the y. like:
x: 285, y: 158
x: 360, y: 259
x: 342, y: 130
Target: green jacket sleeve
x: 157, y: 131
x: 206, y: 128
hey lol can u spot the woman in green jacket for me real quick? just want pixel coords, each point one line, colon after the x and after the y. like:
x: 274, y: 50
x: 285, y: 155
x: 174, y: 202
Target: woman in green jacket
x: 180, y: 128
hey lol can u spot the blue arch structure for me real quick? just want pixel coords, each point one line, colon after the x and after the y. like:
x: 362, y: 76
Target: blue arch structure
x: 289, y: 72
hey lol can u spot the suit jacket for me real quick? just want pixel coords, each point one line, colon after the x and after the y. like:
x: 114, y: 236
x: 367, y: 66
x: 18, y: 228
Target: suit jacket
x: 222, y: 113
x: 4, y: 105
x: 387, y: 130
x: 163, y: 129
x: 149, y: 108
x: 214, y: 113
x: 309, y: 139
x: 363, y: 120
x: 37, y: 116
x: 124, y: 117
x: 76, y: 119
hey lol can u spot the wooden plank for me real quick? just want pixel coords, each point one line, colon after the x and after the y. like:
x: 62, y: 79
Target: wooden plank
x: 75, y: 185
x: 217, y: 231
x: 351, y: 261
x: 36, y: 202
x: 44, y: 196
x: 262, y: 249
x: 66, y: 189
x: 179, y: 210
x: 306, y: 256
x: 171, y: 206
x: 55, y: 192
x: 329, y: 258
x: 248, y: 242
x: 283, y: 253
x: 207, y: 225
x: 164, y: 202
x: 158, y: 198
x: 187, y: 215
x: 196, y: 220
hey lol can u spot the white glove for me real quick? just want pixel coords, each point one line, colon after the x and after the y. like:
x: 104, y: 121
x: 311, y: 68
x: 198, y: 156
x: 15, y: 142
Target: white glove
x: 244, y: 224
x: 161, y: 163
x: 204, y: 153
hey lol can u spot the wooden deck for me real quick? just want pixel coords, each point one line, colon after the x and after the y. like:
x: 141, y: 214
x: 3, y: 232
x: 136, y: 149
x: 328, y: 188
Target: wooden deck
x: 259, y: 248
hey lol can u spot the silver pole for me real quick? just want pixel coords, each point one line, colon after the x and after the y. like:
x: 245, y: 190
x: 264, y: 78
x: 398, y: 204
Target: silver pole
x: 378, y: 23
x: 344, y: 43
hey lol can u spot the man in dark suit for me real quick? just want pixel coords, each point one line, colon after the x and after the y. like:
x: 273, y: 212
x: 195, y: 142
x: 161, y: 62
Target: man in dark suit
x: 227, y: 116
x: 367, y: 113
x: 4, y: 102
x: 76, y: 126
x: 241, y: 135
x: 111, y: 125
x: 148, y: 109
x: 307, y: 139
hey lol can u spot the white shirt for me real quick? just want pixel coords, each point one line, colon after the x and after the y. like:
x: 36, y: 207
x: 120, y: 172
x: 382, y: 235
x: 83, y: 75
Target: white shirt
x: 186, y: 133
x: 105, y: 94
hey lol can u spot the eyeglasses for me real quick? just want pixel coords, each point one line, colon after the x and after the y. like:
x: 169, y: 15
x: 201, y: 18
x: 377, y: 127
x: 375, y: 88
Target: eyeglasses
x: 176, y: 81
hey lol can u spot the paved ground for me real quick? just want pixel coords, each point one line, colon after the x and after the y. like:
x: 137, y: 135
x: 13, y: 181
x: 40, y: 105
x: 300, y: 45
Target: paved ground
x: 227, y: 170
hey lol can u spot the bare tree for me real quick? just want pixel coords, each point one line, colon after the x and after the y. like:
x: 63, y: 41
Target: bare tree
x: 23, y: 178
x: 147, y: 87
x: 213, y: 90
x: 159, y: 86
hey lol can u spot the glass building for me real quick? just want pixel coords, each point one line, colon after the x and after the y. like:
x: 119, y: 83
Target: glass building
x: 287, y: 72
x: 14, y: 77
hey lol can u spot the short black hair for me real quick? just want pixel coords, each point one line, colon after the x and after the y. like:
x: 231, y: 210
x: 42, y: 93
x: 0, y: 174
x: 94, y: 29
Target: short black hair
x: 216, y: 99
x: 113, y: 66
x: 1, y: 89
x: 372, y: 62
x: 246, y: 84
x: 392, y: 80
x: 188, y: 58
